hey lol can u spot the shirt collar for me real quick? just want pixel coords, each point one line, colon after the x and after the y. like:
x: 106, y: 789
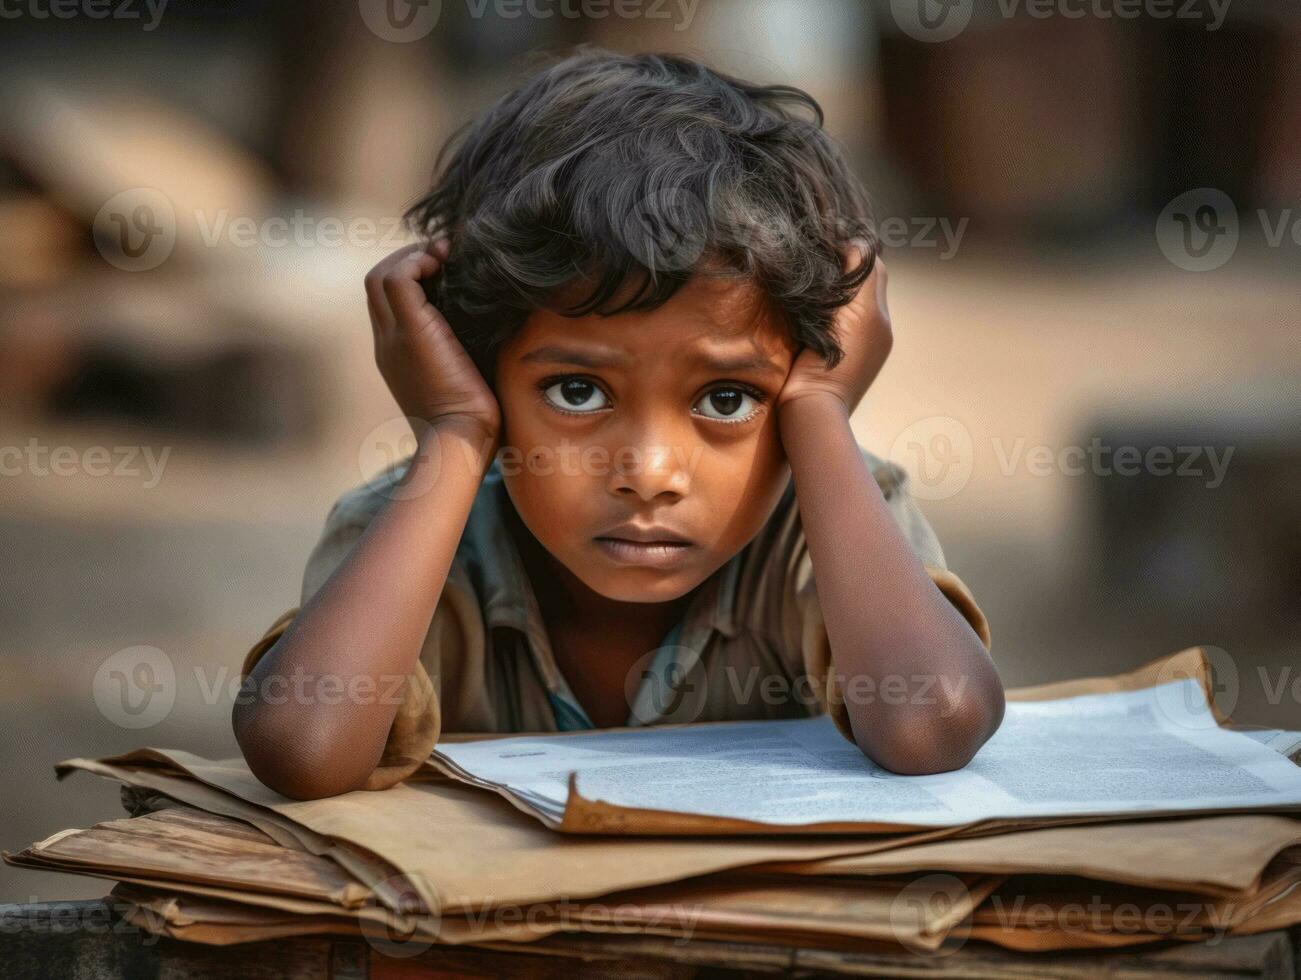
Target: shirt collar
x: 507, y: 596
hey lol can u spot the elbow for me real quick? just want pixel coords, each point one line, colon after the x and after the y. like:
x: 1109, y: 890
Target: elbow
x: 923, y: 741
x: 286, y: 765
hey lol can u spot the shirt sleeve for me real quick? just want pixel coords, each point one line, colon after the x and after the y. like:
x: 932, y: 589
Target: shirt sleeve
x: 804, y: 629
x: 418, y: 721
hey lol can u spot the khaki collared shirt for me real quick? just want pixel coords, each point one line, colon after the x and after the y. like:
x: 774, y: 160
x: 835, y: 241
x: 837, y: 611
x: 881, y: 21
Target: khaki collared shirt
x: 751, y: 645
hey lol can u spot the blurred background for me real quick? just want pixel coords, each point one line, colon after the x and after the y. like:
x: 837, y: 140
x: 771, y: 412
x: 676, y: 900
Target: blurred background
x: 1092, y: 212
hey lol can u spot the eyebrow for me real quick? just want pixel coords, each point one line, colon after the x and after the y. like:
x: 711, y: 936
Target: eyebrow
x: 557, y: 354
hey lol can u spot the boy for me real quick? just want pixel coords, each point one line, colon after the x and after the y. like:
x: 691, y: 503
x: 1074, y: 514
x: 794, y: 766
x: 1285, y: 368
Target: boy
x: 665, y: 279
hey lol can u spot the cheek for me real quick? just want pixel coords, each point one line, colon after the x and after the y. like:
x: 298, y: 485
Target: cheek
x: 552, y: 495
x: 756, y: 500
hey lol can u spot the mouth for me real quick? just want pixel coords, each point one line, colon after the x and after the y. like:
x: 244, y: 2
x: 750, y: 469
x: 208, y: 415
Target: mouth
x: 653, y: 554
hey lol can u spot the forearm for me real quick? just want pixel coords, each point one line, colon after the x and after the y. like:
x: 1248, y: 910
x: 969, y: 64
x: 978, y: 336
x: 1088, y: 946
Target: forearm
x: 315, y: 711
x: 887, y: 622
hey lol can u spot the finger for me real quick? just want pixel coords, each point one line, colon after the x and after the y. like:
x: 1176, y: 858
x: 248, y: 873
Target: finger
x: 409, y: 265
x: 440, y: 248
x: 395, y: 258
x: 406, y: 297
x: 381, y: 317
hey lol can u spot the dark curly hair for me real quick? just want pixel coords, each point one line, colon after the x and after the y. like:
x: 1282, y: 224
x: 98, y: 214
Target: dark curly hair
x: 627, y: 174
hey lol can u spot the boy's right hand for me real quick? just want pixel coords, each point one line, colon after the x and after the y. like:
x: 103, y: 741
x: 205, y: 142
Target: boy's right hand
x: 424, y: 365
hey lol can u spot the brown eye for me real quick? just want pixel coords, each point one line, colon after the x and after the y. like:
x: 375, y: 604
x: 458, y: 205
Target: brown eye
x: 728, y: 404
x: 575, y: 395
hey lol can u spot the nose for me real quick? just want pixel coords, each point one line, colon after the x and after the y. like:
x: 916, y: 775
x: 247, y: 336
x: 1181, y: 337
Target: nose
x: 656, y: 464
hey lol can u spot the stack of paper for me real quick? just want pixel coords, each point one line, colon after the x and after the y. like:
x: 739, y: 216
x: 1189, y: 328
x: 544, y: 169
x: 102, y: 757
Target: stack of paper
x: 1123, y: 813
x: 1154, y: 750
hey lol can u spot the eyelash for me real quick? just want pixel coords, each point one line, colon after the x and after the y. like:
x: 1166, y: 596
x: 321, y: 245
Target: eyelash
x: 548, y: 382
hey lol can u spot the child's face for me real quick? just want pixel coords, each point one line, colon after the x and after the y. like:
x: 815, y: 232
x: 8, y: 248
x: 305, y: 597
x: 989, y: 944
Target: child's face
x: 623, y: 419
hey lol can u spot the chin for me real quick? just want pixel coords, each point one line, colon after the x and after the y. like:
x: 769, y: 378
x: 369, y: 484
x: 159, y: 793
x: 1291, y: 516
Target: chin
x: 638, y: 585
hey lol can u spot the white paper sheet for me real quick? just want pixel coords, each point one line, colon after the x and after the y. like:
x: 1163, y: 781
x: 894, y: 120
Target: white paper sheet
x: 1156, y: 750
x: 1283, y: 742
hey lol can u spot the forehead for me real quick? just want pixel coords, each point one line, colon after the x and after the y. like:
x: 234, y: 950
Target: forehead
x: 707, y: 316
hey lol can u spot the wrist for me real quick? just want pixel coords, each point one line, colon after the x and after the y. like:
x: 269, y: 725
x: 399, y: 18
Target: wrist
x: 821, y: 405
x: 473, y: 439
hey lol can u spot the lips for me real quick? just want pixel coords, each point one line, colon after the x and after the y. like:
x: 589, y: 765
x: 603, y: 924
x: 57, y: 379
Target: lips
x: 651, y: 554
x: 645, y: 534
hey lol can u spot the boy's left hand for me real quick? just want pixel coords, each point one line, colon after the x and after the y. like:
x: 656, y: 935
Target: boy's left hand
x: 862, y: 327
